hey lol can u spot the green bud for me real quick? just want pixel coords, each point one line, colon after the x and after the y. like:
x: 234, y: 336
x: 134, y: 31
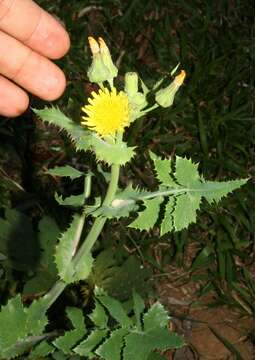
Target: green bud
x: 102, y: 68
x: 165, y: 97
x: 137, y: 100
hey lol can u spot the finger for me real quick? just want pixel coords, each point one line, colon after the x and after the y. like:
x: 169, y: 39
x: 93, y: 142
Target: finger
x: 27, y: 22
x: 13, y: 100
x: 29, y: 69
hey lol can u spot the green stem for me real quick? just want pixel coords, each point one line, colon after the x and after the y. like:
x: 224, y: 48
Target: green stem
x: 90, y: 240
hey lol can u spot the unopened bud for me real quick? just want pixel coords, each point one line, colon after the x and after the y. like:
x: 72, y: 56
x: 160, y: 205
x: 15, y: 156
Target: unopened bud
x: 102, y: 68
x: 137, y: 100
x: 165, y: 97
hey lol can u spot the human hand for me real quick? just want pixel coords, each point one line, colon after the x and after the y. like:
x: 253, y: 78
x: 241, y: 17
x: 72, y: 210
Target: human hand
x: 29, y: 37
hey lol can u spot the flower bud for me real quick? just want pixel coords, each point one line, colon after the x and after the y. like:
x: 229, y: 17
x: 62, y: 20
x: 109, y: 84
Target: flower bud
x: 137, y: 100
x: 165, y: 97
x: 107, y: 59
x: 102, y: 68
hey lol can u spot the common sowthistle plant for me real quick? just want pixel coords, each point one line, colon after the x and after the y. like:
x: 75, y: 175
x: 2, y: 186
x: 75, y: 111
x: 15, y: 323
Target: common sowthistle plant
x: 106, y: 116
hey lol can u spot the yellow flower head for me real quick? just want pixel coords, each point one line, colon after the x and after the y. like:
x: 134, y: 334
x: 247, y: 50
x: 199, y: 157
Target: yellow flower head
x: 107, y: 112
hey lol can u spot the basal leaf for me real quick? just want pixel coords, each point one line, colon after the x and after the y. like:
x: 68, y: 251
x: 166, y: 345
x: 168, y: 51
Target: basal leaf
x: 111, y: 347
x: 156, y: 317
x: 36, y: 318
x: 139, y: 307
x: 69, y: 340
x: 147, y: 218
x: 140, y: 345
x: 114, y: 307
x: 86, y: 347
x: 65, y: 171
x: 13, y: 324
x: 41, y: 351
x: 98, y: 316
x: 76, y: 317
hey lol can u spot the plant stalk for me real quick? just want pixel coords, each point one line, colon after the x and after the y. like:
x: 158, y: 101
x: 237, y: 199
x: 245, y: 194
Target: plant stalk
x: 90, y: 240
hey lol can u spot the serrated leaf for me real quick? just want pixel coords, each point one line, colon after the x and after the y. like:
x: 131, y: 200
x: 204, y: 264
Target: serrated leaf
x: 167, y: 224
x: 65, y: 171
x: 73, y: 200
x: 140, y: 345
x: 114, y: 307
x: 139, y: 307
x: 54, y: 116
x: 98, y: 316
x: 36, y: 317
x: 185, y: 210
x: 215, y: 191
x: 147, y: 218
x: 41, y: 351
x: 186, y: 172
x: 14, y: 319
x: 111, y: 348
x: 118, y: 154
x: 76, y: 317
x: 86, y: 347
x: 69, y: 340
x: 163, y: 170
x: 82, y: 271
x: 156, y: 317
x: 64, y: 254
x: 87, y: 140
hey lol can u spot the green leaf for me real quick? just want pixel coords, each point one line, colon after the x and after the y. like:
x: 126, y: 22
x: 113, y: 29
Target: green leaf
x: 185, y: 210
x: 13, y: 324
x: 184, y: 190
x: 111, y: 348
x: 71, y: 338
x: 163, y: 170
x: 140, y: 345
x: 41, y: 351
x: 215, y: 190
x: 65, y: 251
x: 156, y: 317
x: 118, y: 154
x: 87, y: 140
x: 66, y: 170
x: 76, y: 317
x: 73, y: 200
x: 46, y: 272
x: 36, y: 317
x: 167, y: 224
x: 98, y: 316
x: 86, y: 347
x: 114, y: 307
x: 148, y: 217
x: 139, y: 307
x: 186, y: 172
